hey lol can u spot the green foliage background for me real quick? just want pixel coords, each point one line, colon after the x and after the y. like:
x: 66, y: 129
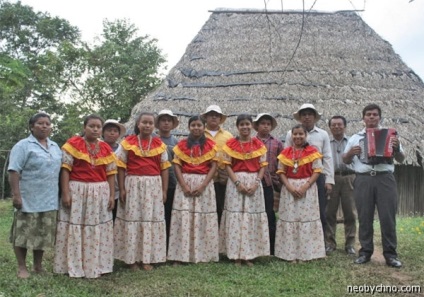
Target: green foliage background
x: 44, y: 65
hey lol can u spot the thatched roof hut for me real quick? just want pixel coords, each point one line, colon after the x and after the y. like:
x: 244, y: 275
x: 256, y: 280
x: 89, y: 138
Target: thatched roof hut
x: 255, y: 61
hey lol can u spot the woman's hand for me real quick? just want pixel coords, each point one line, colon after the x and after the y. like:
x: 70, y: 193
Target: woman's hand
x: 242, y: 189
x: 252, y: 189
x: 17, y: 201
x: 111, y: 203
x: 164, y: 197
x: 186, y: 190
x: 66, y: 200
x: 122, y: 197
x: 199, y: 190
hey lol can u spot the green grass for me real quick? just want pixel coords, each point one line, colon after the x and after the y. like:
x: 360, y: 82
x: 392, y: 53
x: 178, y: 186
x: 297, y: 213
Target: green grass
x: 269, y: 276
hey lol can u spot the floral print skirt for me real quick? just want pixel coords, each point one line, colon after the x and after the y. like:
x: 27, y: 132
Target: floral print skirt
x: 244, y: 231
x: 194, y: 224
x: 140, y: 230
x: 299, y: 234
x: 84, y: 238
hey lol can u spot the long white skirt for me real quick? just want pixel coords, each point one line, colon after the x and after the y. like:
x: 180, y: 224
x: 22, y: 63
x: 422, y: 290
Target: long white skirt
x: 84, y: 237
x: 140, y: 231
x: 244, y: 224
x: 299, y: 234
x: 194, y: 224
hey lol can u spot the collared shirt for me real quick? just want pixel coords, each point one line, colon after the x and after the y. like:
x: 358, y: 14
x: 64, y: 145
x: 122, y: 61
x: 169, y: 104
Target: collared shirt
x: 38, y: 169
x: 319, y: 138
x: 337, y: 149
x: 274, y: 148
x: 170, y: 142
x: 220, y: 138
x: 360, y: 167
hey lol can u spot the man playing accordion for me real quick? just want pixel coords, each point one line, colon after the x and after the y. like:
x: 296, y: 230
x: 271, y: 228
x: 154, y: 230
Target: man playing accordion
x: 374, y: 186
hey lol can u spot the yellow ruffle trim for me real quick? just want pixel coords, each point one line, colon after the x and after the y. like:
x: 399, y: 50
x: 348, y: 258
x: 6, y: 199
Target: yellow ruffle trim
x: 165, y: 165
x: 151, y: 153
x: 259, y: 152
x: 121, y: 164
x: 84, y: 156
x: 305, y: 160
x: 112, y: 172
x: 197, y: 160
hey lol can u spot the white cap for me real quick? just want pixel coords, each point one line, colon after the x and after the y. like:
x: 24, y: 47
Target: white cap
x: 296, y: 114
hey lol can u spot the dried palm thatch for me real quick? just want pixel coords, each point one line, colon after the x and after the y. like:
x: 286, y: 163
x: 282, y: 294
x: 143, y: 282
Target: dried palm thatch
x: 251, y: 61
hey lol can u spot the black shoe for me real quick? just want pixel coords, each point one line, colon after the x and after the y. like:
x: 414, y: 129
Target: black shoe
x: 362, y: 260
x: 329, y: 250
x: 350, y: 251
x: 394, y: 262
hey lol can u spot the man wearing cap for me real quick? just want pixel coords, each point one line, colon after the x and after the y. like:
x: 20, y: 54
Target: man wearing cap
x: 214, y: 118
x: 374, y: 185
x: 308, y: 116
x: 165, y: 122
x: 342, y: 193
x: 264, y: 123
x: 112, y: 131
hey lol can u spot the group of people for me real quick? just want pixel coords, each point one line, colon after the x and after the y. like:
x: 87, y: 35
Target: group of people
x: 151, y: 197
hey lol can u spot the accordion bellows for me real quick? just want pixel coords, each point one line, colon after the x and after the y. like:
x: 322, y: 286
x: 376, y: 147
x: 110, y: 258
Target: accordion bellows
x: 377, y: 146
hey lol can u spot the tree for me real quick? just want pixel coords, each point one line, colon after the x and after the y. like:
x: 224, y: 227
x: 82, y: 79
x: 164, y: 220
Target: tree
x: 121, y: 70
x: 36, y: 39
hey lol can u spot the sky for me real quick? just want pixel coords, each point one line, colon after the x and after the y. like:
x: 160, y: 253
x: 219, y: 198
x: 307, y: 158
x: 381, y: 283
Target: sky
x: 174, y: 23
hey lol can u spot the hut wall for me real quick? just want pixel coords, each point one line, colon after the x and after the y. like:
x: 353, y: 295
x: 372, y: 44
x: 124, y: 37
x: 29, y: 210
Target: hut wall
x: 410, y: 182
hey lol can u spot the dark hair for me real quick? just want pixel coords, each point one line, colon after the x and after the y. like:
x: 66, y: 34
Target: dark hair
x: 371, y: 107
x: 337, y: 117
x: 108, y: 125
x: 242, y: 117
x: 35, y: 118
x: 190, y: 139
x: 299, y: 126
x: 136, y: 130
x: 92, y: 117
x: 265, y: 117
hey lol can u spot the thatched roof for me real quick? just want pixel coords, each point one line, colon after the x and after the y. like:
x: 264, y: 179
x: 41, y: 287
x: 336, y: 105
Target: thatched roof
x: 248, y: 61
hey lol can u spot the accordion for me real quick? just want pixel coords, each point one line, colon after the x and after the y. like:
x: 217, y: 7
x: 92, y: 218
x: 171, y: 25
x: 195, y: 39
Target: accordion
x: 376, y: 146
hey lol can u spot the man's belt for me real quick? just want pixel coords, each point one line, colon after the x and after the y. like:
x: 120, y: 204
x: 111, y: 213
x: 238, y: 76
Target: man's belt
x: 344, y: 172
x: 373, y: 173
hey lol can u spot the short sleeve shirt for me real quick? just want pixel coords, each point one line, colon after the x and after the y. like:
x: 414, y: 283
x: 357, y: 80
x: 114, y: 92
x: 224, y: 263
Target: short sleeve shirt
x: 38, y: 168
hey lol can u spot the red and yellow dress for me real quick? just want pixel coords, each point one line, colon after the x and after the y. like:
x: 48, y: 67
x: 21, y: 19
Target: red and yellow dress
x: 194, y: 221
x: 244, y: 230
x: 299, y: 233
x: 84, y: 237
x: 140, y: 230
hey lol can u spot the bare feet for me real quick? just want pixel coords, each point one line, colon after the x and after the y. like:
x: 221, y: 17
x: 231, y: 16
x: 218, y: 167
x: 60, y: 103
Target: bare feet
x: 237, y: 263
x: 176, y: 263
x: 248, y: 263
x: 22, y: 273
x: 133, y: 267
x: 147, y: 267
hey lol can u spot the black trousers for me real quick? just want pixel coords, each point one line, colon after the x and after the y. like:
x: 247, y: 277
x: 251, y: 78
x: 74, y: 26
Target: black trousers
x: 370, y: 192
x: 322, y: 200
x: 220, y: 198
x: 269, y: 208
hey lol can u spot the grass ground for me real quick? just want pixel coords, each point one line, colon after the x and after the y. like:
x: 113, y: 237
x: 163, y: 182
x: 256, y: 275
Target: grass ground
x: 269, y: 276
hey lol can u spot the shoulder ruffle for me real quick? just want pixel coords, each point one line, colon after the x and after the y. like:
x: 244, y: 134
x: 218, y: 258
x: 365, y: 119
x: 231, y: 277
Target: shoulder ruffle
x: 184, y: 153
x: 77, y: 148
x: 157, y: 147
x: 233, y: 149
x: 309, y: 155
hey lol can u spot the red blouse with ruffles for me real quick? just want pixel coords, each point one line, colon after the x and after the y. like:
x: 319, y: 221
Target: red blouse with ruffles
x: 195, y: 160
x: 305, y: 159
x: 86, y: 168
x: 245, y: 156
x: 146, y: 162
